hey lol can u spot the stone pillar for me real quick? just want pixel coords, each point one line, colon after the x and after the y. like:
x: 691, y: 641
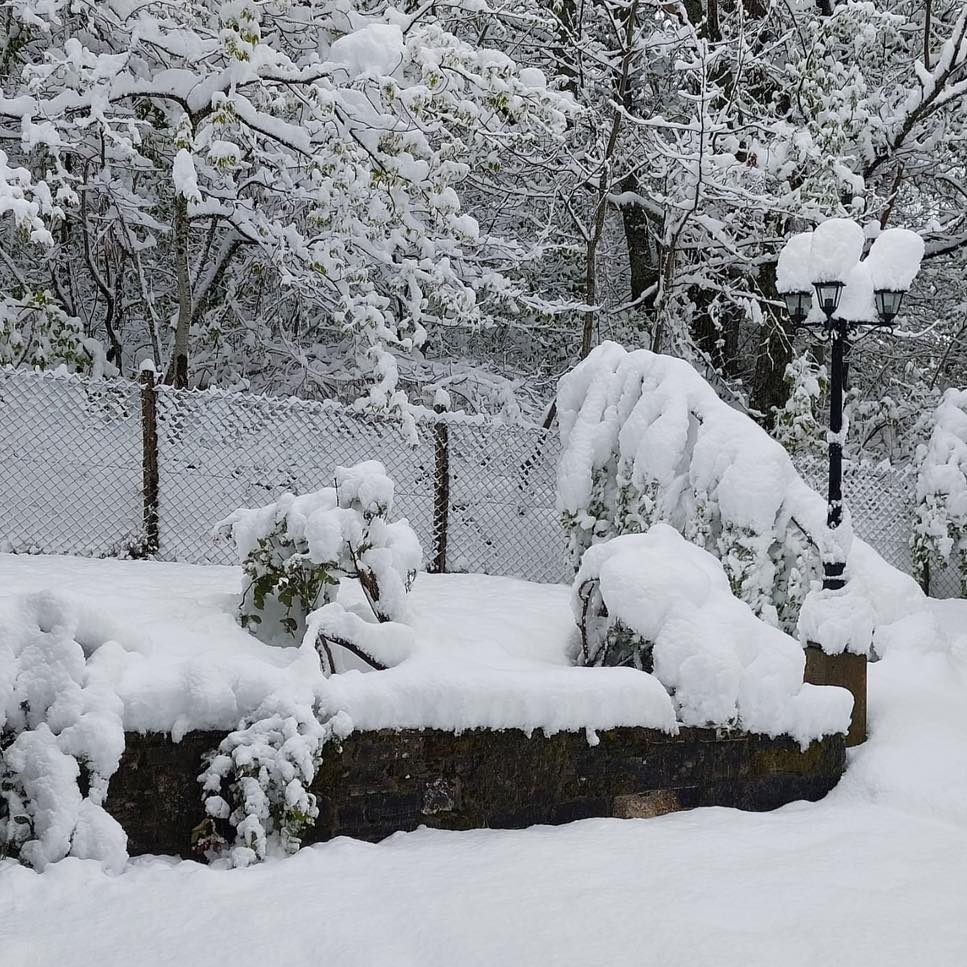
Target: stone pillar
x: 849, y: 672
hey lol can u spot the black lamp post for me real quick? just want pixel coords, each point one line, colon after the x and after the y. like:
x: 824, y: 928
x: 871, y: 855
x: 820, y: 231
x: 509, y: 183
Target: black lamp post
x: 851, y: 293
x: 838, y: 331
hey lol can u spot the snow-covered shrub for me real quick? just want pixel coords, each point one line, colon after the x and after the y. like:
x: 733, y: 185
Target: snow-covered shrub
x: 36, y: 332
x: 645, y: 439
x: 295, y: 551
x: 658, y: 602
x: 56, y: 721
x: 940, y: 527
x: 257, y: 783
x: 796, y: 424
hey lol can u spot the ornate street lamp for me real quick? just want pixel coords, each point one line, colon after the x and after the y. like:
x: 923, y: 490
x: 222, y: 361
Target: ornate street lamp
x: 851, y: 294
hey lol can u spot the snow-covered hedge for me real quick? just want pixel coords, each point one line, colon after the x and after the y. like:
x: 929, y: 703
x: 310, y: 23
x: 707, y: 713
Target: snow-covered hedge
x: 664, y: 605
x: 940, y: 528
x: 294, y: 552
x: 645, y: 439
x: 57, y: 720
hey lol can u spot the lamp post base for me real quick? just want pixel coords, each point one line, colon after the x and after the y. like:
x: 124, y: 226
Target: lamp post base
x: 849, y: 672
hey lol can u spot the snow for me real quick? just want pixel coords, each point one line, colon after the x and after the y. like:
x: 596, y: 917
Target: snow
x: 873, y: 874
x: 894, y: 259
x: 837, y: 620
x: 166, y: 638
x: 533, y: 77
x: 721, y: 663
x: 184, y: 176
x: 59, y: 711
x: 376, y: 49
x: 856, y: 301
x: 837, y: 245
x: 793, y: 273
x: 940, y: 529
x: 644, y: 438
x: 340, y: 530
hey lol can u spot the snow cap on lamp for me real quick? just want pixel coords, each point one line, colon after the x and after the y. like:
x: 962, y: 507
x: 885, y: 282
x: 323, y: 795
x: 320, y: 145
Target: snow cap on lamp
x: 856, y: 303
x: 894, y: 259
x: 837, y: 246
x: 793, y: 272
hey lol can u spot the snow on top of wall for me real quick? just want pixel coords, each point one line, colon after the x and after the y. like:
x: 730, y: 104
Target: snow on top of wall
x: 723, y: 664
x: 481, y: 652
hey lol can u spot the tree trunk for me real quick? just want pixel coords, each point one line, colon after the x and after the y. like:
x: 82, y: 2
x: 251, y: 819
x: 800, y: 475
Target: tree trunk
x: 638, y: 239
x: 179, y: 363
x: 769, y: 388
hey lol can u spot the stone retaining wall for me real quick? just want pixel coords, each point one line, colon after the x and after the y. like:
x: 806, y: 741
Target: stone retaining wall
x: 381, y: 782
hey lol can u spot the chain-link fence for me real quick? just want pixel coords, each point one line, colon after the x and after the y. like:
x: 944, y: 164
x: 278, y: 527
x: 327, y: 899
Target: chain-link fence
x: 101, y: 467
x: 70, y: 465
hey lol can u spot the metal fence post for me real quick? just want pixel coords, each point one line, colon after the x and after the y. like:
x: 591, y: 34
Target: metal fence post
x: 441, y: 491
x: 149, y: 459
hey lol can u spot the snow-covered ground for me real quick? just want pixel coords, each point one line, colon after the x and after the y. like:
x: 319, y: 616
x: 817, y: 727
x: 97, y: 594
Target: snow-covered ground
x: 874, y: 874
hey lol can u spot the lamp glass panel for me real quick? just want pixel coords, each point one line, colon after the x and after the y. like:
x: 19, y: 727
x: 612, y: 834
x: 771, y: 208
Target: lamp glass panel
x: 798, y: 304
x: 888, y: 302
x: 828, y: 294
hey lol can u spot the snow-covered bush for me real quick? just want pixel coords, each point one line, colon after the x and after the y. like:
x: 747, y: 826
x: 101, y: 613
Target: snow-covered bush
x: 36, y: 332
x: 645, y: 439
x: 796, y: 424
x: 940, y: 527
x: 257, y: 783
x: 294, y: 555
x: 57, y: 721
x: 294, y: 552
x: 660, y: 603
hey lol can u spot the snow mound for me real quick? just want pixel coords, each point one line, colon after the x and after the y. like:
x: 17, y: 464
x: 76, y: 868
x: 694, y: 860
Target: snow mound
x: 646, y: 440
x: 723, y: 666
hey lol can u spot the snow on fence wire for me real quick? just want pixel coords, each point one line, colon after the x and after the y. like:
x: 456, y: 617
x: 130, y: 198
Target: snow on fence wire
x: 101, y: 468
x: 109, y: 467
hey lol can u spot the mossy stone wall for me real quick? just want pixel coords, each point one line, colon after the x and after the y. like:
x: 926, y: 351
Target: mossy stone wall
x: 385, y: 781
